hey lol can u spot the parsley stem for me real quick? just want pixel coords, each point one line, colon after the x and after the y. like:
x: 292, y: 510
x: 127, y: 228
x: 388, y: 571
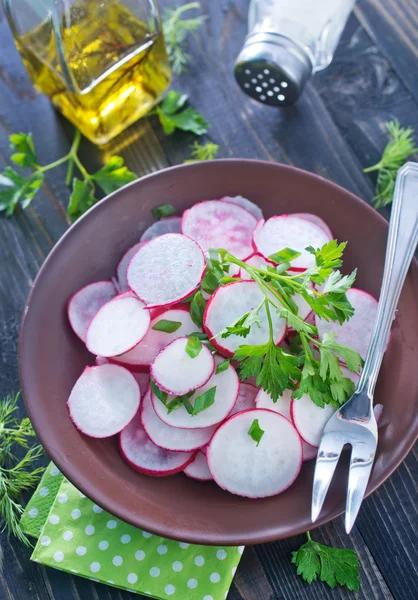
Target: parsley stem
x: 54, y: 164
x: 309, y: 536
x: 268, y: 313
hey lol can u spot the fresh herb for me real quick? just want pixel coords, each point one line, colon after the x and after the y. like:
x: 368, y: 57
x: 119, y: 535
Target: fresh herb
x: 203, y: 401
x: 19, y: 190
x: 16, y: 475
x: 197, y: 308
x: 207, y: 151
x: 284, y: 256
x: 397, y: 151
x: 163, y: 396
x: 255, y: 431
x: 222, y: 366
x: 173, y: 115
x: 162, y: 211
x: 166, y: 326
x: 332, y: 565
x: 176, y: 30
x: 193, y: 346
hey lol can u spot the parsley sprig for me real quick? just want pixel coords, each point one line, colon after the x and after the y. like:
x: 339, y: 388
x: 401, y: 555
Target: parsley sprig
x: 17, y: 475
x: 176, y: 30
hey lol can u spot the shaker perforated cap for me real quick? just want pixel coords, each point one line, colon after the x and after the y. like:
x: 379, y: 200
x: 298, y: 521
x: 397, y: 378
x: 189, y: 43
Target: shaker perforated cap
x: 272, y: 69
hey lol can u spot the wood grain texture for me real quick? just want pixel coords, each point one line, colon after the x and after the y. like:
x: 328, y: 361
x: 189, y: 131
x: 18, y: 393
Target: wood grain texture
x: 336, y: 130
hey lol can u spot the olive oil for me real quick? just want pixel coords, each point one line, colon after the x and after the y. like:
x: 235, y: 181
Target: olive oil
x: 109, y: 69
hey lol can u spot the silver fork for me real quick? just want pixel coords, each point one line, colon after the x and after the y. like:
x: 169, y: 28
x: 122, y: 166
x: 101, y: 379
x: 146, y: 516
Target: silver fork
x: 354, y: 423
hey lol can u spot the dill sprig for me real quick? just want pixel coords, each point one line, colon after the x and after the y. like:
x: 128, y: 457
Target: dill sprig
x: 207, y: 151
x: 176, y: 29
x: 397, y: 151
x: 16, y: 475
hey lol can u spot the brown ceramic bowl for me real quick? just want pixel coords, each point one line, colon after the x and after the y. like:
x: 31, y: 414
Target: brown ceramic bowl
x: 52, y: 357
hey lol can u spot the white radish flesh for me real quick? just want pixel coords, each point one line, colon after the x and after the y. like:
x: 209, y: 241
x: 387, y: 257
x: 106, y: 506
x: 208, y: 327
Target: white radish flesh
x: 166, y: 225
x: 144, y: 456
x: 177, y: 373
x: 246, y: 398
x: 245, y: 203
x: 118, y: 326
x: 122, y: 267
x: 308, y: 452
x: 154, y: 341
x: 103, y: 400
x: 357, y: 331
x: 292, y: 232
x: 171, y: 438
x: 242, y: 467
x: 85, y: 304
x: 317, y: 220
x: 227, y: 387
x: 282, y: 406
x: 255, y: 260
x: 198, y: 468
x: 227, y: 305
x: 219, y: 224
x: 166, y: 270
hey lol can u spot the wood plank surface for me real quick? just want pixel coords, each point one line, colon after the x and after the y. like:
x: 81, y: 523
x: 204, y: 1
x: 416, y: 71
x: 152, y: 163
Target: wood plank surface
x: 336, y: 130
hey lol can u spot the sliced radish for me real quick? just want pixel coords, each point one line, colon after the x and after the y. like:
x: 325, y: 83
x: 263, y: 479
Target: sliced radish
x: 246, y: 398
x: 144, y: 456
x: 85, y: 304
x: 142, y: 380
x: 168, y: 437
x: 154, y: 341
x: 356, y: 332
x: 122, y: 267
x: 245, y: 203
x: 304, y: 310
x: 219, y: 224
x: 198, y: 468
x: 282, y: 406
x: 309, y: 418
x: 118, y: 326
x: 227, y: 305
x: 255, y: 260
x: 288, y: 231
x: 103, y: 400
x: 308, y: 452
x: 317, y: 220
x: 227, y: 387
x: 166, y: 270
x: 166, y: 225
x: 242, y: 467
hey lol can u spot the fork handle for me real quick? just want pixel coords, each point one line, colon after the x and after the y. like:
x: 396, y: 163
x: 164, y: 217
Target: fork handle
x: 401, y: 245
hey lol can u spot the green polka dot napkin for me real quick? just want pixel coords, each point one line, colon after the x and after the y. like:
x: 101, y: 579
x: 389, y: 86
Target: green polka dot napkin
x: 77, y: 536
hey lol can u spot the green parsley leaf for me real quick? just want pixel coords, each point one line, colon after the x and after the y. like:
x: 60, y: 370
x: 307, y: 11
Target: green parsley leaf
x: 166, y: 326
x: 172, y: 117
x: 332, y: 565
x: 176, y: 30
x: 255, y: 431
x: 206, y: 151
x: 18, y: 190
x: 193, y: 346
x: 162, y: 211
x: 163, y: 396
x: 222, y: 366
x: 22, y: 145
x: 82, y: 198
x: 203, y: 401
x: 338, y: 284
x: 113, y: 175
x: 351, y: 358
x: 197, y: 308
x: 284, y: 256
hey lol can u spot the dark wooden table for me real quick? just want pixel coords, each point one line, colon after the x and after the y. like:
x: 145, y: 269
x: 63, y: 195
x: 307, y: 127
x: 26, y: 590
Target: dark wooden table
x: 336, y: 130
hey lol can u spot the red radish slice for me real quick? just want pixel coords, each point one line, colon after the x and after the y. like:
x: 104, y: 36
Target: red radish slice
x: 85, y: 304
x: 255, y: 260
x: 122, y: 267
x: 171, y: 438
x: 288, y: 231
x: 118, y: 326
x: 198, y: 469
x: 242, y: 467
x: 246, y: 398
x: 103, y: 400
x: 166, y: 270
x: 282, y: 406
x: 356, y: 332
x: 227, y: 387
x: 317, y: 220
x: 166, y: 225
x: 245, y: 203
x: 154, y: 341
x: 177, y: 373
x: 308, y: 452
x: 142, y: 380
x: 101, y: 360
x: 144, y: 456
x: 219, y: 224
x: 227, y: 305
x: 309, y: 418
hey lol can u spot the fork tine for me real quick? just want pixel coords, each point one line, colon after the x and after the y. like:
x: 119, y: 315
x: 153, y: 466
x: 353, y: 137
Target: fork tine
x: 329, y: 452
x: 361, y: 463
